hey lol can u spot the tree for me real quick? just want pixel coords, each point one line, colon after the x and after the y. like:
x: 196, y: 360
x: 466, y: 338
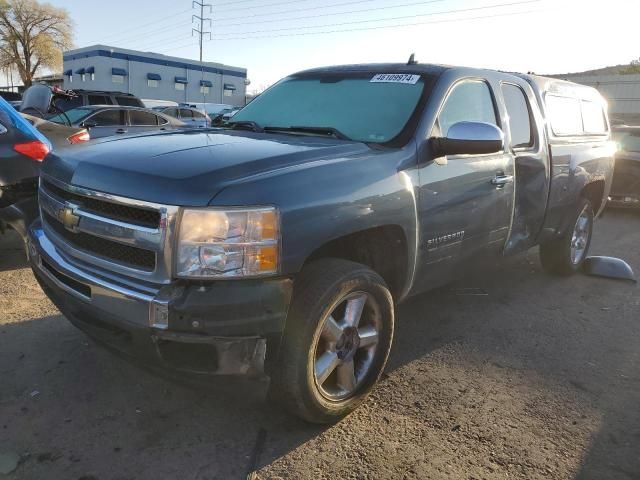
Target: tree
x: 32, y: 36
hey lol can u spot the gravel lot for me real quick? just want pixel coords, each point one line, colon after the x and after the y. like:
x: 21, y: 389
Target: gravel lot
x: 539, y: 378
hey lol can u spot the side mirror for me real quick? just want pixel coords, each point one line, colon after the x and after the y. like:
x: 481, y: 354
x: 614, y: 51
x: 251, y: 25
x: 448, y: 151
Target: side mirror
x: 88, y: 124
x: 468, y: 138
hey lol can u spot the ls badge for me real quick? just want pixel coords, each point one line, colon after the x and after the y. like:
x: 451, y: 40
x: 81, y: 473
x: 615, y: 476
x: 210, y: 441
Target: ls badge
x: 69, y: 219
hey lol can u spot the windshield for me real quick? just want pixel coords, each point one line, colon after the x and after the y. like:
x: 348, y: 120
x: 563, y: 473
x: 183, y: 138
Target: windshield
x: 628, y: 141
x: 74, y: 115
x: 372, y: 108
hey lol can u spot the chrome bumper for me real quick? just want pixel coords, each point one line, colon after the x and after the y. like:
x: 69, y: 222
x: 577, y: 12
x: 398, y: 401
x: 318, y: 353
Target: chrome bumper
x: 141, y: 308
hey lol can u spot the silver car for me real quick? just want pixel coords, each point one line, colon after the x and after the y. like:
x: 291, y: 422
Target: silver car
x: 109, y: 120
x: 190, y: 116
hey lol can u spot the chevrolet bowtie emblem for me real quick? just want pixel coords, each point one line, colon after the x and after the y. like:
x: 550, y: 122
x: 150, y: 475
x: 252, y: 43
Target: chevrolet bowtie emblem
x: 69, y: 219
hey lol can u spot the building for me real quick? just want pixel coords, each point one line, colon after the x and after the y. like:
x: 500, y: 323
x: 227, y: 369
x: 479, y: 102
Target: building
x: 153, y: 76
x: 622, y: 91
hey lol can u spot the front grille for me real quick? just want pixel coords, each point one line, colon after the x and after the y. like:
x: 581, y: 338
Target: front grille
x: 626, y: 177
x: 107, y: 249
x: 114, y: 211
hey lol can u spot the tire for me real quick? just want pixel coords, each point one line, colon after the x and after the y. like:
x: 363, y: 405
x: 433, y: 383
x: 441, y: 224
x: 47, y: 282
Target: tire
x: 558, y: 256
x: 312, y: 377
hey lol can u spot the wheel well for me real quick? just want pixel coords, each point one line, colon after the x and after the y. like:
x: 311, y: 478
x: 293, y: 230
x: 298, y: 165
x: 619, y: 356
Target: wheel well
x: 594, y: 192
x: 383, y: 249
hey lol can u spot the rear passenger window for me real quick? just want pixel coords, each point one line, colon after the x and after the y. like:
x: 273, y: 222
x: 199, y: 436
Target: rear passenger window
x: 564, y: 115
x: 470, y: 101
x: 142, y: 118
x: 186, y: 113
x: 108, y: 118
x: 519, y: 116
x: 593, y: 118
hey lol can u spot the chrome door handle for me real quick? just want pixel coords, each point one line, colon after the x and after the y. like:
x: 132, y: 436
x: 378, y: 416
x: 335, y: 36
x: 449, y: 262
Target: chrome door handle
x: 501, y: 180
x: 121, y: 130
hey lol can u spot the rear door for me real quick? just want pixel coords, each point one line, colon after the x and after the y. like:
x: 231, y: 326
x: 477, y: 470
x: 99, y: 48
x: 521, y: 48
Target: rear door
x: 186, y: 115
x: 107, y: 123
x: 524, y: 132
x: 142, y: 121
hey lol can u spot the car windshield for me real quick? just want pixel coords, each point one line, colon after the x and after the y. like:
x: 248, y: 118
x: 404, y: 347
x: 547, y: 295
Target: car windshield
x: 373, y: 108
x: 74, y: 115
x: 628, y: 141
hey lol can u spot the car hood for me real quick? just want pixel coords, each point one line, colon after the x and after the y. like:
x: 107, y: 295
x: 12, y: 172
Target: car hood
x: 187, y: 168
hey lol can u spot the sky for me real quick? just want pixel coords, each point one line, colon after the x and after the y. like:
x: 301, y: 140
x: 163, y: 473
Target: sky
x: 272, y: 38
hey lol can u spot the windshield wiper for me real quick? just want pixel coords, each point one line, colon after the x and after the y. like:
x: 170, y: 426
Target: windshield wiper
x: 329, y: 131
x: 247, y: 125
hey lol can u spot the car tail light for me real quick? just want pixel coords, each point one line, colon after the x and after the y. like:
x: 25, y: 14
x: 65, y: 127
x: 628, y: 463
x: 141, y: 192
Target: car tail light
x: 35, y: 150
x: 79, y: 137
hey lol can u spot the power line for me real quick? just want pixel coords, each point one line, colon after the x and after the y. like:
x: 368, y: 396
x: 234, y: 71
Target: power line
x: 160, y: 20
x: 356, y: 22
x: 379, y: 27
x: 152, y: 33
x: 295, y: 10
x: 415, y: 4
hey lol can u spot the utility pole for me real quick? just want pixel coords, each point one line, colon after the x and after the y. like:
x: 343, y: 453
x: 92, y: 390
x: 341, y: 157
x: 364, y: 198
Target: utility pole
x: 201, y: 33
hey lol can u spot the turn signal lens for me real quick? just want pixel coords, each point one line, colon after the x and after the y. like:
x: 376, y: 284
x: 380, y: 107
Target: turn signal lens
x: 35, y: 150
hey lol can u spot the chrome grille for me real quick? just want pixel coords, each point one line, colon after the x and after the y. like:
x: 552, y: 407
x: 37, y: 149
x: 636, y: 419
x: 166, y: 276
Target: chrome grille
x: 120, y: 235
x: 136, y: 216
x: 107, y: 249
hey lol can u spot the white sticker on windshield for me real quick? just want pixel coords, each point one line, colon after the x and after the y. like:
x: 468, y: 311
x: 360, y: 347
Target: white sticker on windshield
x: 395, y: 78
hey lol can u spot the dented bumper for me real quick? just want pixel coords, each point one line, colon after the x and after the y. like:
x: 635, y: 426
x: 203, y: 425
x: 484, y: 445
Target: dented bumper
x: 218, y: 328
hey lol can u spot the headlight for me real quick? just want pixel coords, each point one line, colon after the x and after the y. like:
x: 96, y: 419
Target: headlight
x: 227, y: 243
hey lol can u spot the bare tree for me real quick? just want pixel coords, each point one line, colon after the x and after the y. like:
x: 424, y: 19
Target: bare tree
x: 32, y: 36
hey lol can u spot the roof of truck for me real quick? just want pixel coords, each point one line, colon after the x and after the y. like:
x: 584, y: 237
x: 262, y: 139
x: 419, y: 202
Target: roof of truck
x: 417, y: 68
x: 541, y: 82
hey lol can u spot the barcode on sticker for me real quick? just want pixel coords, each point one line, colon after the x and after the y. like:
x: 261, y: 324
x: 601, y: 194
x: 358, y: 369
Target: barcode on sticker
x: 395, y: 78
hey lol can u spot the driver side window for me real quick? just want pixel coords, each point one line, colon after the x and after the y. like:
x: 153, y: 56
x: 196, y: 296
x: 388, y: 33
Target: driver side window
x: 469, y: 101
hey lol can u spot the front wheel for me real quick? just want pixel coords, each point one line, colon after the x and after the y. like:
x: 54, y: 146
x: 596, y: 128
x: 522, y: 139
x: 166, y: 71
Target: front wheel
x: 337, y: 340
x: 565, y: 255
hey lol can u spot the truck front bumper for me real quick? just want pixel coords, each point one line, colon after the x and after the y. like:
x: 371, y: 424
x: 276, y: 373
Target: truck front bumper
x: 213, y: 328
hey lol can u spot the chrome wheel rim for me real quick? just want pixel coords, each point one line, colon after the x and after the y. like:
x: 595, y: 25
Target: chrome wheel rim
x: 580, y: 237
x: 345, y: 345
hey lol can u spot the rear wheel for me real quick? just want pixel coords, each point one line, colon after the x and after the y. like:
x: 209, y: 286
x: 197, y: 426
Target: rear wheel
x: 338, y: 336
x: 565, y: 255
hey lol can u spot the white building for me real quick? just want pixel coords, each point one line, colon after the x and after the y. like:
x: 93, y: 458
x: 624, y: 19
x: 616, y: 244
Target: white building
x: 153, y: 76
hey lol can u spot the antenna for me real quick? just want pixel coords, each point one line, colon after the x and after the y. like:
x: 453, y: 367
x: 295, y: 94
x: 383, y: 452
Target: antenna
x: 412, y: 60
x: 201, y: 33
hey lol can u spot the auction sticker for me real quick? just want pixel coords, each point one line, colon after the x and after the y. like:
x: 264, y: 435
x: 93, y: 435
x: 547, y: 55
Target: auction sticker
x: 395, y: 78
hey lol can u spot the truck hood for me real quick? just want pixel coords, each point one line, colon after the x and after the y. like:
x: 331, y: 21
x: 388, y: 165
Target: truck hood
x: 187, y: 168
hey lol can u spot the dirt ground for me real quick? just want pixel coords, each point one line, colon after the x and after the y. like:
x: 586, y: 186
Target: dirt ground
x: 528, y: 377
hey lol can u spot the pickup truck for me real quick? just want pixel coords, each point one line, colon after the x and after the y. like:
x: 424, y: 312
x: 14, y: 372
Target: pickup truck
x: 280, y: 244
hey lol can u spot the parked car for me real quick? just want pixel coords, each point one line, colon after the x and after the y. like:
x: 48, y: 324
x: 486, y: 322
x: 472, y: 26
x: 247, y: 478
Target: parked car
x: 192, y: 117
x: 58, y: 100
x: 281, y: 244
x: 108, y: 120
x: 59, y: 135
x: 625, y: 191
x: 24, y: 142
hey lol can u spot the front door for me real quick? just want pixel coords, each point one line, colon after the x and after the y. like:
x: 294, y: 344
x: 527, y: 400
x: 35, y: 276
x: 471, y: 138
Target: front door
x: 465, y: 201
